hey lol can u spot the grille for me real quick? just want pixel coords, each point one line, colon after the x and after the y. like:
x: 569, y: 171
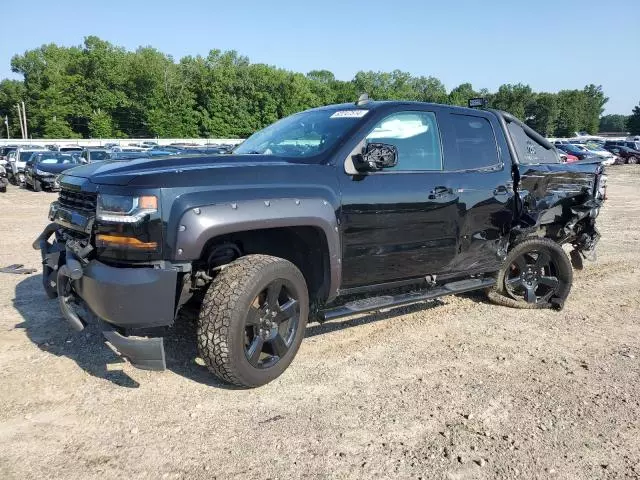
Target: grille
x: 85, y: 201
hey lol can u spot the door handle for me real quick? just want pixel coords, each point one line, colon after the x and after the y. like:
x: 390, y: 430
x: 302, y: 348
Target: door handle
x: 501, y: 190
x: 439, y: 192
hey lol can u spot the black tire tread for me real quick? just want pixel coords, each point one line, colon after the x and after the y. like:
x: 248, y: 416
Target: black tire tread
x: 220, y: 300
x: 499, y: 296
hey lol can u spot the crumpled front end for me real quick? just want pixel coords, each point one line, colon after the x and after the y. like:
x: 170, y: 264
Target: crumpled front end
x: 128, y: 299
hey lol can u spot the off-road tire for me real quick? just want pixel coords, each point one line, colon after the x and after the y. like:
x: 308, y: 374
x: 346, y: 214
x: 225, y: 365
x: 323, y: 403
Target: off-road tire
x: 499, y: 294
x: 221, y: 322
x: 37, y: 186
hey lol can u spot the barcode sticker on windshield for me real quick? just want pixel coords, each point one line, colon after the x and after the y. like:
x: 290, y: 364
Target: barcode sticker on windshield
x: 349, y: 114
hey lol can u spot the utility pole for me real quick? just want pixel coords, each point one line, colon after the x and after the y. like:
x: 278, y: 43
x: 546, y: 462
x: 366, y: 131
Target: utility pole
x: 6, y: 122
x: 20, y: 120
x: 24, y: 114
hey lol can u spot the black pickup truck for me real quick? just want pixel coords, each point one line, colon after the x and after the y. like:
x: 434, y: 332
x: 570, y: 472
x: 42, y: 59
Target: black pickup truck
x: 327, y: 213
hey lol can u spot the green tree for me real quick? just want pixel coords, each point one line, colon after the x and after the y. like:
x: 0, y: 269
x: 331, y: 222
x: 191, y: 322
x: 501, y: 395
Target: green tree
x: 571, y: 113
x: 11, y: 92
x: 594, y: 101
x: 514, y: 99
x: 100, y: 125
x: 613, y: 123
x: 98, y: 89
x: 633, y: 123
x: 542, y: 113
x: 461, y: 94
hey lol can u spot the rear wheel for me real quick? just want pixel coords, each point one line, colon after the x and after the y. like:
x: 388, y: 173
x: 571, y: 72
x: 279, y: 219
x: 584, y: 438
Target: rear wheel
x: 253, y: 319
x: 632, y: 160
x: 535, y: 274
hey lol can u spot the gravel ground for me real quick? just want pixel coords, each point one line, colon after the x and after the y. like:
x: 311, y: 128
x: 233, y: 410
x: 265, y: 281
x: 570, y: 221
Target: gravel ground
x: 454, y: 389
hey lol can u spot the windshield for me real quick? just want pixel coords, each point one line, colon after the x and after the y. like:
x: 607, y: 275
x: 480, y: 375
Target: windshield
x: 570, y: 148
x: 302, y: 135
x: 55, y: 159
x: 24, y: 156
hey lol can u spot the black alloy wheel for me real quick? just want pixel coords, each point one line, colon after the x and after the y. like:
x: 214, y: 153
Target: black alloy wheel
x: 536, y: 273
x: 253, y: 319
x: 271, y: 324
x: 533, y: 276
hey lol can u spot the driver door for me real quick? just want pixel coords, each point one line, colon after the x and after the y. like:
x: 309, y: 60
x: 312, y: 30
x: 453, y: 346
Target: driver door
x: 399, y: 223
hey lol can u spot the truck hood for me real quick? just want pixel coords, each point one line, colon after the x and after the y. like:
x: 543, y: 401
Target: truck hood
x: 164, y: 172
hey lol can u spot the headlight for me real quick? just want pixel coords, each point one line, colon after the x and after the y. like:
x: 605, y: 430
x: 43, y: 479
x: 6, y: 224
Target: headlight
x: 125, y: 209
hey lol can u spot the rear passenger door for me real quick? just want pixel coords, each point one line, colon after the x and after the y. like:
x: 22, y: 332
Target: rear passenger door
x: 477, y: 157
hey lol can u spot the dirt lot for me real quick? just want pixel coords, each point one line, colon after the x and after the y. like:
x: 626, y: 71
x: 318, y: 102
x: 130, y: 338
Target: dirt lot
x: 456, y: 389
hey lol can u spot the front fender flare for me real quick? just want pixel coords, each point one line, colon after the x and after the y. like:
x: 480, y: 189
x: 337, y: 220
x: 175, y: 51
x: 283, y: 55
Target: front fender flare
x: 198, y: 225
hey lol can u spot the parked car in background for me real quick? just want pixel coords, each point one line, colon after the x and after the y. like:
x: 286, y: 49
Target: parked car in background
x: 71, y: 148
x: 132, y: 149
x: 4, y: 152
x: 567, y: 157
x: 42, y: 169
x: 607, y: 157
x: 128, y: 155
x: 635, y: 145
x: 3, y: 179
x: 211, y: 150
x: 581, y: 153
x: 18, y: 161
x: 159, y: 151
x: 95, y: 154
x: 629, y: 155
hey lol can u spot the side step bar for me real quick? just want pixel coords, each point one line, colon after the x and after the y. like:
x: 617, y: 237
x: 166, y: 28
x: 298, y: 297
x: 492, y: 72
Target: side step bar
x: 392, y: 301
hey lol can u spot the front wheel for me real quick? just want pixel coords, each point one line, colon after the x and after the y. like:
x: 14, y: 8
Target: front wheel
x: 536, y: 274
x: 632, y: 160
x: 252, y: 320
x: 37, y: 186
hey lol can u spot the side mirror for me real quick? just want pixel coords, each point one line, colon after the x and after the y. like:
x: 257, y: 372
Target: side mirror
x: 376, y: 156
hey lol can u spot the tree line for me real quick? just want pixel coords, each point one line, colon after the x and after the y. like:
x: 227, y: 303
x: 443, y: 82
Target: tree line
x: 99, y: 90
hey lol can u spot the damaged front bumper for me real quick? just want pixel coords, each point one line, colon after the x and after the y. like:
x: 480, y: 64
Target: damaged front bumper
x: 123, y: 298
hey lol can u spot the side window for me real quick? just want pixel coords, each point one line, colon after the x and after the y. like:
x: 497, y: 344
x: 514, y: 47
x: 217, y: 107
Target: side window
x: 415, y: 135
x: 474, y: 143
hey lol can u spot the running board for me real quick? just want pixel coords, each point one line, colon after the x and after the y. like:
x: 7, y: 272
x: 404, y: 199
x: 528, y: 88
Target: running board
x: 393, y: 301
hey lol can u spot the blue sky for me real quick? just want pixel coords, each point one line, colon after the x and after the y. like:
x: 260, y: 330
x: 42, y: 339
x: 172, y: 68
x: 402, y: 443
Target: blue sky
x: 550, y: 45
